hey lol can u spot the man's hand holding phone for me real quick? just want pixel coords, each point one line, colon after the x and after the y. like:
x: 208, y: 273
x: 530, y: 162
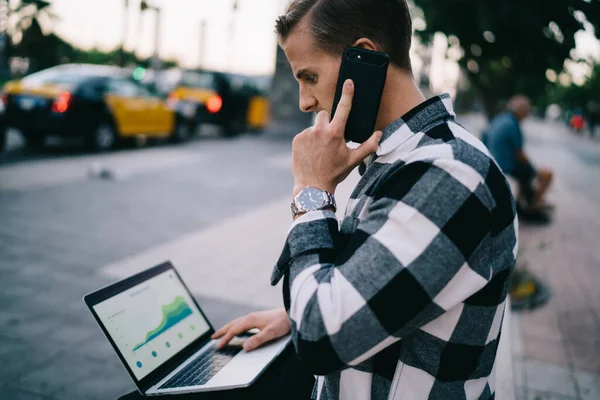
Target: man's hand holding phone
x: 320, y: 156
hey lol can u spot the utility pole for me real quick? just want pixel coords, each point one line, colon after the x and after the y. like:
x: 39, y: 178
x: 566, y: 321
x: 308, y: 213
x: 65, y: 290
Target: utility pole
x: 202, y: 48
x: 230, y: 35
x: 155, y: 63
x: 125, y: 29
x: 3, y: 34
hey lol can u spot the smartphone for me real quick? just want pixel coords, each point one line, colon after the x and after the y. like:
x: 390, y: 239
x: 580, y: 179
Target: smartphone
x: 368, y: 71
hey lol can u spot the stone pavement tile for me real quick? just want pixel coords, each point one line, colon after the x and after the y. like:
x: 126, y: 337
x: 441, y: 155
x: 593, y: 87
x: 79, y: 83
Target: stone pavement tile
x: 532, y: 394
x: 548, y: 350
x: 10, y: 393
x: 541, y: 323
x: 60, y: 374
x: 579, y: 327
x: 100, y: 382
x: 518, y: 371
x: 589, y: 385
x: 585, y: 357
x: 73, y: 332
x: 547, y: 377
x: 17, y: 357
x: 516, y: 334
x: 32, y: 325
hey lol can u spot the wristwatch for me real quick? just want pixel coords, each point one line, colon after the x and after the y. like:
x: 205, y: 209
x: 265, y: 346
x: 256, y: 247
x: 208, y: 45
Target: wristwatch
x: 312, y: 199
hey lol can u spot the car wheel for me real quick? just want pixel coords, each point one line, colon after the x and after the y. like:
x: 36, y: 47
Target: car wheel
x: 103, y: 137
x: 34, y: 141
x: 233, y: 128
x: 3, y: 138
x: 181, y: 133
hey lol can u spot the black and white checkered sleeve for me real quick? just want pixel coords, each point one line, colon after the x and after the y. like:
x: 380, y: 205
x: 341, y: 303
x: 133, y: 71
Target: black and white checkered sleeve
x: 406, y: 264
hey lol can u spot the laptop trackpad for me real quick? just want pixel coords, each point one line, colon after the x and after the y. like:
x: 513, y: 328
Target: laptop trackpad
x: 245, y: 367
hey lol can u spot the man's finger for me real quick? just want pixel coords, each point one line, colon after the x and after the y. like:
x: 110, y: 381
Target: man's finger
x: 367, y: 148
x: 343, y: 108
x: 322, y: 119
x: 241, y: 326
x: 221, y: 332
x: 259, y: 339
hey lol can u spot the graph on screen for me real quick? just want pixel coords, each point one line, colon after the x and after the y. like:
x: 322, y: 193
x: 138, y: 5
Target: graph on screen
x: 172, y: 314
x: 152, y: 321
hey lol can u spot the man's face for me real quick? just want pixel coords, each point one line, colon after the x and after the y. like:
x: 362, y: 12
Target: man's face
x: 315, y: 70
x: 524, y: 111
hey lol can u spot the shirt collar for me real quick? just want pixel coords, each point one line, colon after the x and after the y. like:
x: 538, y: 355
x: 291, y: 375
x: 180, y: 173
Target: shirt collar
x: 416, y: 120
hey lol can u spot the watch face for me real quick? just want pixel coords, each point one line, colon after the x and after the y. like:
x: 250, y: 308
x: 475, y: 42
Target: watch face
x: 311, y: 199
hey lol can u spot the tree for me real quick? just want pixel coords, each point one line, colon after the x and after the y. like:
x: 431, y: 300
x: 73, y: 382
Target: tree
x: 508, y: 46
x: 27, y: 35
x: 29, y: 12
x: 585, y: 97
x: 45, y: 50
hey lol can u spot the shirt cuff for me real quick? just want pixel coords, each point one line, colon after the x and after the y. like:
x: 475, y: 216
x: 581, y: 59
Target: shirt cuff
x: 313, y: 231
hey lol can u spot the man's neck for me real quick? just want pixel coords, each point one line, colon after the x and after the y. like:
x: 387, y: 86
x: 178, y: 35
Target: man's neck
x: 400, y: 95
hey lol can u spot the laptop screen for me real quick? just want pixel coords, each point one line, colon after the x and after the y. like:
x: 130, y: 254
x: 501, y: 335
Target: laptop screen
x: 152, y: 321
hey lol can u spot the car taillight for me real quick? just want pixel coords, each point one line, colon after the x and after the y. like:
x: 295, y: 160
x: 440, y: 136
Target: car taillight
x: 4, y: 98
x: 62, y: 102
x: 214, y: 104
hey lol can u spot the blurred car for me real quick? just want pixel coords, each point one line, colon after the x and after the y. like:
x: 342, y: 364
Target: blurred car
x: 3, y: 130
x: 236, y: 103
x: 99, y: 104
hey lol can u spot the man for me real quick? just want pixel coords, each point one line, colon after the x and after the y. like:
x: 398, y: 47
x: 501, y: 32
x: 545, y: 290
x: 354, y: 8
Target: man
x: 505, y: 141
x: 406, y: 298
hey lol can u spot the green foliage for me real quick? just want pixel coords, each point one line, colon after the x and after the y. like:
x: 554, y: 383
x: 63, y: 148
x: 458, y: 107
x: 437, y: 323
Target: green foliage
x: 46, y: 50
x: 508, y: 45
x: 585, y: 97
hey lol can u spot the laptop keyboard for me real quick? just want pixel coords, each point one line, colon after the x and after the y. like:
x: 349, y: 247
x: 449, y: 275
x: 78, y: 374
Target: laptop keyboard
x: 204, y: 367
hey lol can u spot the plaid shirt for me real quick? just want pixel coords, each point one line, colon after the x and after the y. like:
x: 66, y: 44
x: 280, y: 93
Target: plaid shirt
x: 405, y: 299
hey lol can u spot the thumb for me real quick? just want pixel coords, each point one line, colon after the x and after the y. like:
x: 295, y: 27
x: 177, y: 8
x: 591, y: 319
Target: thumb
x: 367, y: 148
x: 259, y: 339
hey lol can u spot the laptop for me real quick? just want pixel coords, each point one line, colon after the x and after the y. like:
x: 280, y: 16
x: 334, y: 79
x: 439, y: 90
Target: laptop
x: 163, y: 337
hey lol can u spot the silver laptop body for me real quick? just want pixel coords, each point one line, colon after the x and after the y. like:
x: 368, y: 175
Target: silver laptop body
x: 163, y: 339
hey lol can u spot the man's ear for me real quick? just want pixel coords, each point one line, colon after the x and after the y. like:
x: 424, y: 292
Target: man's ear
x: 366, y: 44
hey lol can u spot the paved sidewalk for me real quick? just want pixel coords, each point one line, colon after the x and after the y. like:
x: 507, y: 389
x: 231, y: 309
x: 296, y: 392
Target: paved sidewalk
x: 557, y: 347
x: 231, y: 260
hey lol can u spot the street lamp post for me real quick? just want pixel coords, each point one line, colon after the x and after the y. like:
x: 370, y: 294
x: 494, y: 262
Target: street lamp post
x: 155, y: 63
x: 125, y: 29
x: 231, y: 34
x: 202, y: 43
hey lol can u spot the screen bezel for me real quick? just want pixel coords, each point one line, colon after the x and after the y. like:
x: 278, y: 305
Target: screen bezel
x: 116, y: 288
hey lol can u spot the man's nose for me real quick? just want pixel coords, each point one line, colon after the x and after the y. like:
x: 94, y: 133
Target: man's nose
x: 307, y: 102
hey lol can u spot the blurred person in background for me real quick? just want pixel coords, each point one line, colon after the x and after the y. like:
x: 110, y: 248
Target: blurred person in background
x: 593, y: 116
x: 577, y: 122
x: 406, y: 298
x: 504, y: 139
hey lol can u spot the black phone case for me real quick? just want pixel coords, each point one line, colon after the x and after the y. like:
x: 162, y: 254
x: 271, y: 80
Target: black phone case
x: 368, y: 71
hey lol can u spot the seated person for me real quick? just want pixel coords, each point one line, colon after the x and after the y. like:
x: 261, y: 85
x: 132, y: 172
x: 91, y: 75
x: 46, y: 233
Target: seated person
x: 504, y: 139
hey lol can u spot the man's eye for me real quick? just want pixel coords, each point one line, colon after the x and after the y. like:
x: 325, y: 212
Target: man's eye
x: 311, y: 78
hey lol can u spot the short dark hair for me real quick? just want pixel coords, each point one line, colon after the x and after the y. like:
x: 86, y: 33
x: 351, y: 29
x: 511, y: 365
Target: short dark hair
x: 337, y: 24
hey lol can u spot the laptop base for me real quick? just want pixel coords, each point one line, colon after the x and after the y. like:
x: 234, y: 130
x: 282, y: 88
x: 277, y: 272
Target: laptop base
x: 285, y: 378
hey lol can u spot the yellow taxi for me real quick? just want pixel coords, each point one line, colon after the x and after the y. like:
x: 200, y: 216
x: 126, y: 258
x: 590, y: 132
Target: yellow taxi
x: 236, y: 103
x: 102, y: 105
